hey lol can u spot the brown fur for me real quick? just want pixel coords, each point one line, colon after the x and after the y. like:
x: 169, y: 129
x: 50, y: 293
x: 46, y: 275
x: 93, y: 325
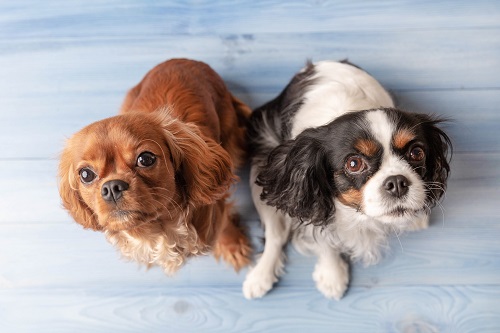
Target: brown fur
x: 352, y: 198
x: 182, y: 113
x: 402, y: 137
x: 367, y: 147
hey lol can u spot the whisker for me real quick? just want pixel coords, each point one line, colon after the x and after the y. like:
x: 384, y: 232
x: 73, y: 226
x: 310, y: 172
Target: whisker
x: 399, y: 240
x: 168, y: 211
x: 170, y: 201
x: 168, y: 192
x: 442, y: 209
x: 432, y: 186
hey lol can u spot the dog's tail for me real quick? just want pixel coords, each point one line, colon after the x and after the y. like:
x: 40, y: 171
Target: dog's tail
x: 243, y: 111
x: 270, y: 123
x: 264, y: 131
x: 236, y: 143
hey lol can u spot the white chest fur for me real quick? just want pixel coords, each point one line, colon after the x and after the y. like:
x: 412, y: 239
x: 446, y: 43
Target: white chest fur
x: 166, y: 247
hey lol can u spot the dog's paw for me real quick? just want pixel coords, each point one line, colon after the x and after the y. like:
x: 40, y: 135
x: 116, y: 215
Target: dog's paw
x: 237, y: 253
x: 332, y: 281
x: 233, y: 246
x: 258, y: 283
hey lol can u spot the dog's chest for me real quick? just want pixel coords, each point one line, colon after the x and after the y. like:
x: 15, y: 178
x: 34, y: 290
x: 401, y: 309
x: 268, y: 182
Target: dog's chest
x: 351, y: 233
x: 166, y: 249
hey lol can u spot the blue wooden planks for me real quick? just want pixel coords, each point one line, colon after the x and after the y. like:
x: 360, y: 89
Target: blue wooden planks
x: 137, y: 18
x: 66, y: 64
x: 447, y: 309
x: 74, y: 82
x: 468, y: 217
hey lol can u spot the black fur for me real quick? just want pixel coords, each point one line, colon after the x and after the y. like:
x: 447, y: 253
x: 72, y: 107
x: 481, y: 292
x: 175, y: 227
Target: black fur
x: 437, y: 163
x: 297, y: 179
x: 302, y: 176
x: 278, y: 113
x: 438, y: 147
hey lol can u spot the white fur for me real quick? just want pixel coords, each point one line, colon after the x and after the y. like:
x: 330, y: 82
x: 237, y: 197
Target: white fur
x: 331, y: 273
x: 166, y: 249
x: 272, y: 261
x: 374, y: 204
x: 338, y: 89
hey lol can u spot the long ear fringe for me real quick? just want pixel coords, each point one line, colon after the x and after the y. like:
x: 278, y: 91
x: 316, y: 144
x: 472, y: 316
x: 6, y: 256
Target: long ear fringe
x: 296, y: 180
x: 441, y: 148
x: 70, y: 196
x: 203, y: 165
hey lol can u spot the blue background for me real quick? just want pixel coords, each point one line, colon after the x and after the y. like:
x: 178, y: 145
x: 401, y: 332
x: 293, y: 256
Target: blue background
x: 64, y: 64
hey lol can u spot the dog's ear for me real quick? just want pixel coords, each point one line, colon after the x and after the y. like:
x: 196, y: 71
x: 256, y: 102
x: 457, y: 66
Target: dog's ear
x: 437, y: 162
x: 298, y: 179
x: 70, y: 195
x: 204, y: 170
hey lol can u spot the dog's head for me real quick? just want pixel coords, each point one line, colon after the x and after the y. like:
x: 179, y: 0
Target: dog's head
x: 387, y: 164
x: 136, y: 168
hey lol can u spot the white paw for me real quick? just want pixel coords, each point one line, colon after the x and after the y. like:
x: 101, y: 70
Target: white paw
x: 332, y: 280
x: 258, y: 283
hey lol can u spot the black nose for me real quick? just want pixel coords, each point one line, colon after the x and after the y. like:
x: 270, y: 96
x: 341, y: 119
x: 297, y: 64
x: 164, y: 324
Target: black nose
x: 397, y: 186
x: 113, y: 190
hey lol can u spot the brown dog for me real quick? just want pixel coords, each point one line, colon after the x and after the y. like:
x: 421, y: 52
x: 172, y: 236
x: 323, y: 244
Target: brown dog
x: 155, y: 178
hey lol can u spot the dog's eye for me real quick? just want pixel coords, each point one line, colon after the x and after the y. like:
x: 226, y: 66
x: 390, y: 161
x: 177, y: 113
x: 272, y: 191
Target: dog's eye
x: 355, y: 164
x: 87, y: 176
x: 416, y: 154
x: 146, y: 159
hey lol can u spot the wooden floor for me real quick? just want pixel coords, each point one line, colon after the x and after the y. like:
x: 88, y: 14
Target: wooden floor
x: 64, y: 64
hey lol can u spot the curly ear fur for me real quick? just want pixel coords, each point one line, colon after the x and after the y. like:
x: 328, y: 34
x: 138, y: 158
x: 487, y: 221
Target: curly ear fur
x: 298, y: 180
x: 438, y: 167
x: 70, y: 195
x: 203, y: 167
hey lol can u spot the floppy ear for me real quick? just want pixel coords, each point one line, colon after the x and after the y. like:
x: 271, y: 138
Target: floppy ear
x: 70, y: 195
x: 203, y: 167
x: 298, y: 179
x: 437, y: 164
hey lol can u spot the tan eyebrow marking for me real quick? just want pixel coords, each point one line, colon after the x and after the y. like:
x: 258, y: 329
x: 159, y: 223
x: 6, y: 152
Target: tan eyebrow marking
x: 402, y: 137
x: 367, y: 147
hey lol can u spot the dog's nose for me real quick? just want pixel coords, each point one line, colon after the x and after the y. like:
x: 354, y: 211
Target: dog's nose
x: 113, y: 189
x: 397, y: 186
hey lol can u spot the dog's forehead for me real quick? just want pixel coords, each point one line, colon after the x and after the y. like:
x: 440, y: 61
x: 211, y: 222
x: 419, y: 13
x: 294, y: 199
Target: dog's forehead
x: 352, y: 131
x: 371, y: 132
x: 381, y: 127
x: 108, y: 138
x: 393, y: 128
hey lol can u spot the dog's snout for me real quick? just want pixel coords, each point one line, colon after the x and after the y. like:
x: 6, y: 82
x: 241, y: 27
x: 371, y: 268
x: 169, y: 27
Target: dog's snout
x: 113, y: 189
x: 397, y: 186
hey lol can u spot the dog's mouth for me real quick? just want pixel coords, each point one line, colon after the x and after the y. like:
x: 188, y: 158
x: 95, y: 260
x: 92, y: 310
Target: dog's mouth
x: 124, y: 215
x: 402, y: 212
x: 120, y: 219
x: 399, y: 211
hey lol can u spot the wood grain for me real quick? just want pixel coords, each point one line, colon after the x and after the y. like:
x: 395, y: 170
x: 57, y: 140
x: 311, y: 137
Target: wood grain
x: 73, y: 82
x: 65, y: 64
x: 461, y: 247
x: 396, y: 309
x: 61, y: 19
